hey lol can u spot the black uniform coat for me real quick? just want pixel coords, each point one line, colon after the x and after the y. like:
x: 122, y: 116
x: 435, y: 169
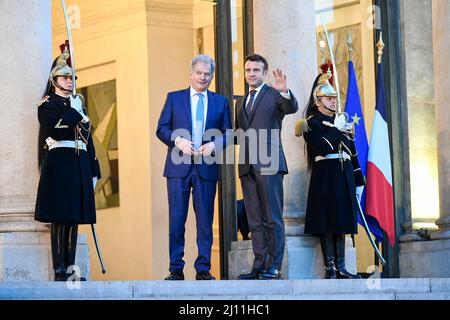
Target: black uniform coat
x: 65, y: 193
x: 332, y: 206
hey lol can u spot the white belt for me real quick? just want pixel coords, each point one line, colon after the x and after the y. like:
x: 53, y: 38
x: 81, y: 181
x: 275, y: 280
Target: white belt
x: 67, y: 144
x: 330, y: 156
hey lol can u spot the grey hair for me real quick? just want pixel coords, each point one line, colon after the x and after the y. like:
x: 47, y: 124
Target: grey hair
x: 205, y: 59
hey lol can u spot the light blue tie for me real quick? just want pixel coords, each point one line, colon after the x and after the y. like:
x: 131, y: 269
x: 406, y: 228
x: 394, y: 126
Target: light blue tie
x: 199, y: 122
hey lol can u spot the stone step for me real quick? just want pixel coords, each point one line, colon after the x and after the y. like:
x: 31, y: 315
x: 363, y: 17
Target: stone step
x: 364, y: 289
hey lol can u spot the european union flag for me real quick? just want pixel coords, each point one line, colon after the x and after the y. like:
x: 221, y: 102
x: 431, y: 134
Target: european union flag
x: 354, y: 110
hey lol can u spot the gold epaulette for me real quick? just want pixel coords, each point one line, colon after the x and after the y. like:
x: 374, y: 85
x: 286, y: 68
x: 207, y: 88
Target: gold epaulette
x: 41, y: 102
x: 301, y: 126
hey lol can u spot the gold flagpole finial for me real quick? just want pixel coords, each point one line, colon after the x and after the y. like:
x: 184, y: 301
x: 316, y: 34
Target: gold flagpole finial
x: 380, y: 46
x: 350, y: 46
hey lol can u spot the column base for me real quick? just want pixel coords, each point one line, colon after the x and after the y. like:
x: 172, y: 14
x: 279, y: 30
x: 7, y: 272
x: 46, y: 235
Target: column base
x: 26, y: 256
x: 302, y: 259
x: 409, y: 234
x: 240, y: 258
x: 444, y: 229
x: 25, y: 251
x: 425, y: 259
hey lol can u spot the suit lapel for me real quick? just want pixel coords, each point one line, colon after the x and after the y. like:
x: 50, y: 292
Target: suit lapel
x: 210, y: 111
x: 187, y: 106
x: 242, y: 116
x: 257, y: 101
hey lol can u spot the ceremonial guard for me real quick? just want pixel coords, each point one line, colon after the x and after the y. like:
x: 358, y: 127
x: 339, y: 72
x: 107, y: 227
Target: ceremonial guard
x: 332, y: 205
x: 69, y: 167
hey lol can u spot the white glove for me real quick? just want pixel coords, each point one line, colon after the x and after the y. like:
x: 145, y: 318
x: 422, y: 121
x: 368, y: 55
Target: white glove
x: 94, y: 181
x: 359, y: 192
x: 77, y: 104
x: 340, y: 121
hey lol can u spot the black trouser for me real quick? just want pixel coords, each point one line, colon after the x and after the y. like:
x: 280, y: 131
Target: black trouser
x: 333, y: 249
x: 64, y: 246
x: 263, y: 198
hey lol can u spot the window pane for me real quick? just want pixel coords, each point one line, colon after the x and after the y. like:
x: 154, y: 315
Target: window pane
x: 102, y: 107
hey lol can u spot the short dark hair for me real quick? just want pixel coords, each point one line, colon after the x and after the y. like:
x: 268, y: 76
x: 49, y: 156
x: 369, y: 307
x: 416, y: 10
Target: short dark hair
x: 257, y: 58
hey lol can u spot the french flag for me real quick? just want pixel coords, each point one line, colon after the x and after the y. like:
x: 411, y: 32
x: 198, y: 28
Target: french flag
x: 379, y: 193
x: 354, y: 110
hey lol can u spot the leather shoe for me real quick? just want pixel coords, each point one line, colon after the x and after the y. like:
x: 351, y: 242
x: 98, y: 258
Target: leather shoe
x: 330, y: 269
x: 344, y: 274
x: 61, y: 276
x: 73, y: 277
x: 60, y: 273
x: 204, y: 275
x: 253, y: 275
x: 175, y: 275
x: 271, y: 274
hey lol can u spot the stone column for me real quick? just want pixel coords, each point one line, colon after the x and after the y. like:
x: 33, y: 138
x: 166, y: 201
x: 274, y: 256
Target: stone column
x: 430, y: 259
x: 285, y: 33
x: 441, y: 38
x: 418, y: 55
x: 26, y: 55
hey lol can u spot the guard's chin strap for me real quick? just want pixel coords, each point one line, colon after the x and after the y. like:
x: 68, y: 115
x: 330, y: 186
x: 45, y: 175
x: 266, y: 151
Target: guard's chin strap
x: 59, y: 87
x: 323, y: 106
x: 333, y: 111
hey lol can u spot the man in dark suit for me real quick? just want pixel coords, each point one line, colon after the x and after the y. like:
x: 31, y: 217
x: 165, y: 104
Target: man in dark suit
x: 260, y: 114
x: 242, y: 221
x: 185, y: 119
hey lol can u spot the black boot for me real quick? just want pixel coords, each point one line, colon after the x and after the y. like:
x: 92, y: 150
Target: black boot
x: 339, y: 245
x: 58, y: 251
x: 326, y: 243
x: 71, y: 237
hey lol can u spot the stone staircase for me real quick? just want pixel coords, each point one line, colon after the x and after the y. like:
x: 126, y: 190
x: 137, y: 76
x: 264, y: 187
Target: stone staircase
x: 365, y: 289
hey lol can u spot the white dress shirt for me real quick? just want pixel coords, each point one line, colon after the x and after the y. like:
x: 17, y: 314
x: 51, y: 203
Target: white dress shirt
x: 194, y: 103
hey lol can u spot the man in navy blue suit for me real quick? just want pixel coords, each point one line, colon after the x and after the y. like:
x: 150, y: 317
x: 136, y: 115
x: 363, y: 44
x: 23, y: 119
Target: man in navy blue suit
x: 190, y: 116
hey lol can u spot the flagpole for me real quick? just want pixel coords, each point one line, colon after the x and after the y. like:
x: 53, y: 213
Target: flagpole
x: 380, y: 46
x: 350, y: 46
x: 350, y: 51
x: 385, y: 243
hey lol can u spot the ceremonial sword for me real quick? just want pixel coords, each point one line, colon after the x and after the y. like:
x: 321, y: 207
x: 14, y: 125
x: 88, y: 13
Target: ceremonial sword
x: 75, y: 102
x: 366, y: 227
